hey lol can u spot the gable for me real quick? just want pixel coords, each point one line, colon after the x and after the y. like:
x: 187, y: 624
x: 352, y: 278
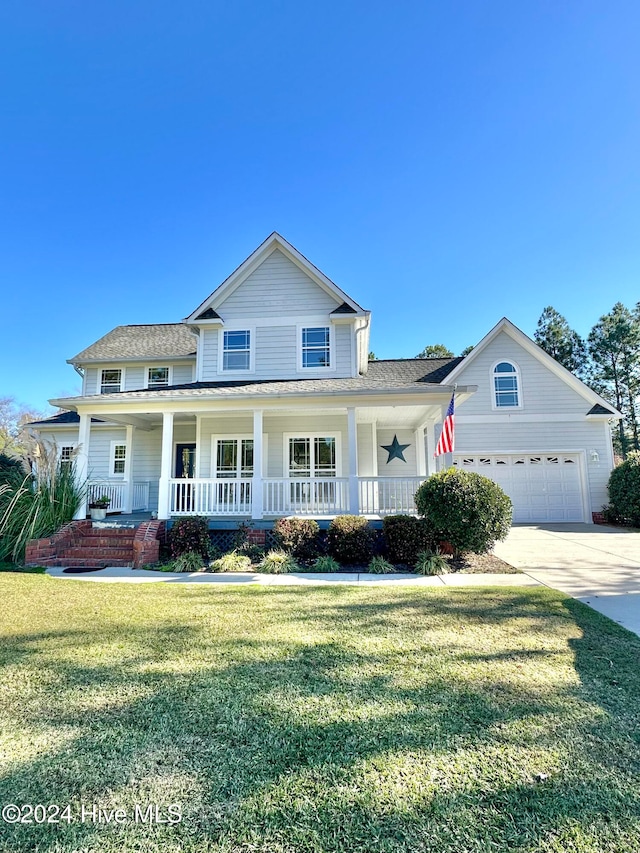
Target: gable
x: 276, y: 288
x: 542, y: 391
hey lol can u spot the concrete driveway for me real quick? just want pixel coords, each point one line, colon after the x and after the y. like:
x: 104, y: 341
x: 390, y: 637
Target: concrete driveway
x: 596, y: 564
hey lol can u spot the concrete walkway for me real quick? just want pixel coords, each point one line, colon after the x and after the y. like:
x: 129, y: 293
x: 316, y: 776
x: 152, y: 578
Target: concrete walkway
x: 119, y: 575
x: 596, y: 564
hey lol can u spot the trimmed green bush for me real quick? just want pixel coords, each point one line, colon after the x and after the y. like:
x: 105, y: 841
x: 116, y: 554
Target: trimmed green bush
x: 231, y: 562
x: 278, y: 563
x: 380, y: 566
x: 190, y: 561
x: 468, y: 511
x: 297, y: 536
x: 325, y: 563
x: 350, y: 539
x: 190, y: 533
x: 624, y: 492
x: 431, y: 563
x: 406, y: 536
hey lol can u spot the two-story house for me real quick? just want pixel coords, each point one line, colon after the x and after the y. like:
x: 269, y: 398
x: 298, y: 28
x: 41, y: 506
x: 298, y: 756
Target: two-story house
x: 263, y: 403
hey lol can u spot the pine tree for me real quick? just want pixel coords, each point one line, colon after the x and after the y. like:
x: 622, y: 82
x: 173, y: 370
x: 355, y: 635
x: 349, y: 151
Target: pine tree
x: 614, y: 346
x: 555, y: 336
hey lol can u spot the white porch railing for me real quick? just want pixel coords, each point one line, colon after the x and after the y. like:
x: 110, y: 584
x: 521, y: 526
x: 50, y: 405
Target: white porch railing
x: 116, y: 491
x: 388, y: 495
x: 210, y: 497
x: 314, y: 496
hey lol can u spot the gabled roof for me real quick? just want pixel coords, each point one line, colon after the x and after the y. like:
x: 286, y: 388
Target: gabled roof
x: 132, y: 343
x: 505, y: 325
x: 274, y: 241
x: 602, y: 410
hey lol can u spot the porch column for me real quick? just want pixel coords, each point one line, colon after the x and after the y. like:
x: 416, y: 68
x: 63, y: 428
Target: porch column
x: 128, y: 468
x: 164, y: 488
x: 421, y: 456
x: 256, y: 486
x: 82, y: 464
x: 431, y: 446
x: 352, y: 434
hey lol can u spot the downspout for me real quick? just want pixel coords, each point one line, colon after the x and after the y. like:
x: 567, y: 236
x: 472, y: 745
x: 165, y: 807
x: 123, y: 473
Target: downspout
x: 362, y: 328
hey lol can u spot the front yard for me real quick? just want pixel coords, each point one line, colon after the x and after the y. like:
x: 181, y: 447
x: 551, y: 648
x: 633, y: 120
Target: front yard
x: 326, y: 719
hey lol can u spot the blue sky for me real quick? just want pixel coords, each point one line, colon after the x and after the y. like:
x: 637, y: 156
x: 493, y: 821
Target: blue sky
x: 444, y: 163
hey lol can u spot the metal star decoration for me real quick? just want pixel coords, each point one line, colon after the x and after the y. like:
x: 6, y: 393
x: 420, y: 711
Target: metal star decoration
x: 395, y: 449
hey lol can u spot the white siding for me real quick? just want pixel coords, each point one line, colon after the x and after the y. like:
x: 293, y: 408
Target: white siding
x: 183, y: 373
x: 541, y: 390
x: 397, y: 468
x: 277, y: 288
x: 135, y: 375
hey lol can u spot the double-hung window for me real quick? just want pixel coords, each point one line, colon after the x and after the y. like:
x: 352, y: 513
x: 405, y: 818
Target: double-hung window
x: 110, y: 381
x: 316, y: 347
x: 157, y: 377
x: 118, y: 459
x: 236, y: 350
x: 506, y: 385
x: 66, y: 455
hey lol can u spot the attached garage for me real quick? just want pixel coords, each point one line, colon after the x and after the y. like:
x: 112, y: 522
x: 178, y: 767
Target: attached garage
x: 543, y: 486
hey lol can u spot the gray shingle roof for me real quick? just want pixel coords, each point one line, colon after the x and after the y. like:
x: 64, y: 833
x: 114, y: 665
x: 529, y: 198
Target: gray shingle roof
x: 413, y: 369
x: 62, y: 418
x: 161, y: 340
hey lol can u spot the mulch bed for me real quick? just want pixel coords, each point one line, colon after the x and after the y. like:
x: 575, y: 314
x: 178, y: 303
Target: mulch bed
x: 482, y: 563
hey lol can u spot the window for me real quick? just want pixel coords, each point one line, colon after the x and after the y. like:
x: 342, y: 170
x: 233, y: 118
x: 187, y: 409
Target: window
x: 506, y: 385
x: 118, y: 458
x: 236, y: 350
x: 111, y: 381
x: 234, y: 458
x: 316, y: 347
x: 66, y: 455
x: 157, y: 377
x: 312, y: 456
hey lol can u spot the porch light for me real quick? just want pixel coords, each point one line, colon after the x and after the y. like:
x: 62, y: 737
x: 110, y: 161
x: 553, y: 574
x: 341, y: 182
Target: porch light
x: 595, y: 456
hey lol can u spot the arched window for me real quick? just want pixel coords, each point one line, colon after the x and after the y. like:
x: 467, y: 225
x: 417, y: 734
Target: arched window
x: 506, y: 385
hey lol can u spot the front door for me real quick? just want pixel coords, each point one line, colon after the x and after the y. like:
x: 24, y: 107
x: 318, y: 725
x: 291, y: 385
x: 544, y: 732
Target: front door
x: 185, y: 460
x: 185, y: 470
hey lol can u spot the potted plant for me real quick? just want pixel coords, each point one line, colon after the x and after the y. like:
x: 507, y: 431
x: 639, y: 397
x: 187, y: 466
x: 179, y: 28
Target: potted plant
x: 98, y: 508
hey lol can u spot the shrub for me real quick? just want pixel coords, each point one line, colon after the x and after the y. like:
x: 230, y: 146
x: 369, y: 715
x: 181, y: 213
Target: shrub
x: 463, y: 508
x: 298, y: 536
x: 231, y: 562
x: 189, y: 561
x: 431, y: 563
x: 380, y: 566
x: 325, y: 563
x: 190, y: 533
x: 254, y: 552
x: 278, y: 563
x: 406, y: 536
x: 350, y: 539
x: 624, y: 491
x: 32, y: 508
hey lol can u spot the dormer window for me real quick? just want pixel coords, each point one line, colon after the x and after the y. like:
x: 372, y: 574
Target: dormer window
x: 506, y: 385
x: 110, y: 381
x: 158, y: 377
x: 316, y: 347
x: 236, y: 350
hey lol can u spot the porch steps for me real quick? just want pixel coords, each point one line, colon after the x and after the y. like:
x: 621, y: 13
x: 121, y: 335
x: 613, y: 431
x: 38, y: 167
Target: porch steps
x: 82, y: 544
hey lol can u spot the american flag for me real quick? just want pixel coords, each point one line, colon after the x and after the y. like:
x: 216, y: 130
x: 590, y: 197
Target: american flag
x: 446, y: 442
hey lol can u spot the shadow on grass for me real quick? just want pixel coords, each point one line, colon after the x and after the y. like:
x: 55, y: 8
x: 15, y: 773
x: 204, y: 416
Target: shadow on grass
x: 333, y: 720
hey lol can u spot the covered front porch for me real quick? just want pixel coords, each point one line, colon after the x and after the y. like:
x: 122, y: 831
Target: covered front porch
x: 310, y: 459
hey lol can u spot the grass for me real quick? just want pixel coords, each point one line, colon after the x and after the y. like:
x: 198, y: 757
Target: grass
x: 347, y: 719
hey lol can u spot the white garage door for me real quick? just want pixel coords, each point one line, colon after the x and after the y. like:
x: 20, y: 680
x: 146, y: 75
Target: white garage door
x: 542, y: 487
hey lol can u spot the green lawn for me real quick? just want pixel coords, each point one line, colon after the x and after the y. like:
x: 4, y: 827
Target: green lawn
x: 318, y: 719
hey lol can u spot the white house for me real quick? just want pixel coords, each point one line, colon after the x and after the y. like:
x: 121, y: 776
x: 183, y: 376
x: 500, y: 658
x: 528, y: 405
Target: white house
x: 263, y: 403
